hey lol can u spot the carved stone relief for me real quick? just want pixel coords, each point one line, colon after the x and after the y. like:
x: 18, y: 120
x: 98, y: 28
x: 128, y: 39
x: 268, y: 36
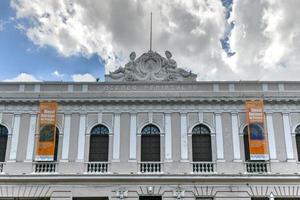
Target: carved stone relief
x: 150, y: 67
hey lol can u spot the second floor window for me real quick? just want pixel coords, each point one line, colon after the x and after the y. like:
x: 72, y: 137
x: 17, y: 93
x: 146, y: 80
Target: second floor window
x: 150, y: 144
x: 3, y: 142
x: 99, y: 141
x: 201, y: 144
x: 257, y: 133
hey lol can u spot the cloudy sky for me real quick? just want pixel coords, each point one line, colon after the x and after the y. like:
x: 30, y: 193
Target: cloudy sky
x: 75, y: 40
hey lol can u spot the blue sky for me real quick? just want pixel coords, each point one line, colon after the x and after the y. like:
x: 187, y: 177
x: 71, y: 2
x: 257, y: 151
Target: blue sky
x: 18, y: 54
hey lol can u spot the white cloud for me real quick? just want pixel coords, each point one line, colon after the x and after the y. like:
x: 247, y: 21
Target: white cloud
x: 266, y: 37
x: 2, y: 24
x: 57, y: 74
x: 189, y: 29
x: 83, y: 78
x: 23, y: 77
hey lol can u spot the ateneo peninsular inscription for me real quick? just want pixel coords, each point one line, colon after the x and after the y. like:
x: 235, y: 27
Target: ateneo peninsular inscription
x: 154, y: 87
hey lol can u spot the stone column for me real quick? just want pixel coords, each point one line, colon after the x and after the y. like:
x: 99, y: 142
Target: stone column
x: 116, y: 140
x: 235, y: 137
x: 66, y: 138
x: 15, y: 138
x: 219, y: 137
x: 31, y: 138
x: 133, y: 131
x: 81, y: 137
x: 183, y: 138
x: 288, y: 137
x: 168, y: 137
x: 271, y: 137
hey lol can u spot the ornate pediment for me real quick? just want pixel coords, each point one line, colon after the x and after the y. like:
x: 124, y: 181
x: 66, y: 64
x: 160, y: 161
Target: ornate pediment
x: 150, y: 66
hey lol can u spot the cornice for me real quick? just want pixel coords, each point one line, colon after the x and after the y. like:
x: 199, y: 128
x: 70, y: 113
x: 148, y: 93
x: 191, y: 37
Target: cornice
x: 109, y: 178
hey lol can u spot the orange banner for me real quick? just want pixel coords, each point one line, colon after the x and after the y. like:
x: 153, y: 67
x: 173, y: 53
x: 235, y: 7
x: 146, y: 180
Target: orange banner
x: 47, y: 131
x: 258, y: 142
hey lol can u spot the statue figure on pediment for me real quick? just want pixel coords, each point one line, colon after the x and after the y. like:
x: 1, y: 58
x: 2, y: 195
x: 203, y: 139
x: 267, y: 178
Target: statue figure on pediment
x: 151, y: 66
x: 131, y: 63
x: 169, y: 64
x: 119, y: 73
x: 126, y: 71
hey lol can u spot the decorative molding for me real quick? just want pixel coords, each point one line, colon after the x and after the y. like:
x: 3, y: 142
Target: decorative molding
x: 200, y: 116
x: 178, y: 193
x: 150, y: 117
x: 99, y: 117
x: 150, y: 66
x: 122, y: 194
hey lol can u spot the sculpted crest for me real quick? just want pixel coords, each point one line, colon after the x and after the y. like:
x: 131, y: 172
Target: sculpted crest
x: 150, y: 66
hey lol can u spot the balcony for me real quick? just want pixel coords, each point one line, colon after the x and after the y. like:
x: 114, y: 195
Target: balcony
x: 257, y: 167
x: 2, y: 164
x: 44, y: 167
x: 96, y: 167
x: 150, y: 167
x: 204, y: 167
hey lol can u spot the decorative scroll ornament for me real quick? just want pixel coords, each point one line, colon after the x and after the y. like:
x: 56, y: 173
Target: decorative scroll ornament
x: 179, y: 193
x: 121, y: 194
x: 150, y: 67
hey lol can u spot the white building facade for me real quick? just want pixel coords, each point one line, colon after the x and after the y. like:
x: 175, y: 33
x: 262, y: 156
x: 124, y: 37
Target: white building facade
x: 150, y: 131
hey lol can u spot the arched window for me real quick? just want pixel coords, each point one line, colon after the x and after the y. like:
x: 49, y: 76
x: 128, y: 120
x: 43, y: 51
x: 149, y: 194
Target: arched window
x: 257, y: 133
x: 99, y: 144
x: 45, y: 130
x: 297, y: 131
x: 150, y: 144
x: 3, y: 142
x: 201, y: 143
x: 246, y: 144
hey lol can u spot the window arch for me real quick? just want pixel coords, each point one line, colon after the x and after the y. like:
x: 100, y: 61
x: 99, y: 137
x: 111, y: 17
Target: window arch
x: 201, y: 143
x: 297, y: 132
x: 3, y: 142
x: 150, y: 143
x: 150, y: 129
x: 99, y: 142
